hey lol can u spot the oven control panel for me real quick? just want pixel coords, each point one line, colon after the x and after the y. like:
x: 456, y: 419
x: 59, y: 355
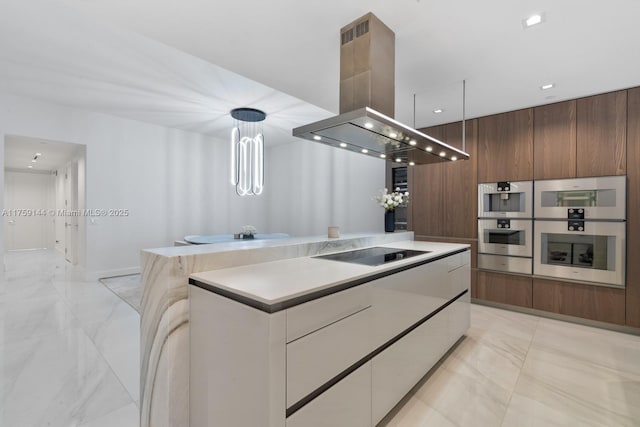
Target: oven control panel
x: 575, y: 213
x: 575, y: 225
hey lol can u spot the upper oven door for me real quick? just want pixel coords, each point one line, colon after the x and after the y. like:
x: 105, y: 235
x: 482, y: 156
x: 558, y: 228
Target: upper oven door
x: 505, y: 237
x: 594, y: 254
x: 505, y: 200
x: 589, y: 198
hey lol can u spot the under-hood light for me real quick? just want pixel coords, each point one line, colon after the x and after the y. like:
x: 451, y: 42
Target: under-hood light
x: 385, y: 135
x: 317, y: 137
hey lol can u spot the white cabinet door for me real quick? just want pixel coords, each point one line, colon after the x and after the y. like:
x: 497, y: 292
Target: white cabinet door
x: 402, y: 299
x: 316, y: 358
x: 397, y: 369
x: 346, y: 404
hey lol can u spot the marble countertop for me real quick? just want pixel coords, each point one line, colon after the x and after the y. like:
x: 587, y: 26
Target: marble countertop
x: 274, y: 283
x: 242, y: 244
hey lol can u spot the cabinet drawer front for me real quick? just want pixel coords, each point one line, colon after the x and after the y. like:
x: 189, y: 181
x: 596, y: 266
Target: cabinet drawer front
x: 458, y: 260
x: 348, y: 403
x: 397, y: 369
x: 318, y: 357
x: 313, y: 315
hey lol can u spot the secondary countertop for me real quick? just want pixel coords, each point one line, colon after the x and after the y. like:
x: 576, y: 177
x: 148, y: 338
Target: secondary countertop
x: 272, y: 286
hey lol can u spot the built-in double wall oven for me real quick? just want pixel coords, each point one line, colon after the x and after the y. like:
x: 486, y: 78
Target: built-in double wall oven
x: 505, y: 239
x: 580, y: 229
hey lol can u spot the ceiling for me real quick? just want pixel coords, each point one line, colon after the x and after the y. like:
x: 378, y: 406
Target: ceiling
x: 186, y: 64
x: 19, y: 151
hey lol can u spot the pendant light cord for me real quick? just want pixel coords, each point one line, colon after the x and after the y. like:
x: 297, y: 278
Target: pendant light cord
x: 464, y: 107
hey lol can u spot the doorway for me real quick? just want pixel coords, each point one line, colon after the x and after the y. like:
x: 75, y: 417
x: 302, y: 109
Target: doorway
x: 42, y: 196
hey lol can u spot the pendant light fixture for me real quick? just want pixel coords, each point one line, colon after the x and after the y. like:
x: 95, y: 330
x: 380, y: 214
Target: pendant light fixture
x: 247, y: 151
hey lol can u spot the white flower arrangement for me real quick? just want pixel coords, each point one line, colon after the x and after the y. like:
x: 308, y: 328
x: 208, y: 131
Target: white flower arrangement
x: 248, y: 230
x: 390, y: 201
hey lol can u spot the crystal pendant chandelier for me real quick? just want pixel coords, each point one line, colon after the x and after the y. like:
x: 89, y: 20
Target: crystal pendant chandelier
x: 247, y: 151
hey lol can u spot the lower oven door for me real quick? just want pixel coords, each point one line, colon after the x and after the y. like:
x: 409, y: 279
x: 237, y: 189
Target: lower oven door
x: 505, y: 237
x: 594, y: 254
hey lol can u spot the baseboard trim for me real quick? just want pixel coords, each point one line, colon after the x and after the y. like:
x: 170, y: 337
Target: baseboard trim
x: 105, y: 274
x: 557, y: 316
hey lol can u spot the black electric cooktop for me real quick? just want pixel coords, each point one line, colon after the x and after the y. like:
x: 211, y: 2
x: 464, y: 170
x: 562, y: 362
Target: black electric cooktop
x: 373, y: 256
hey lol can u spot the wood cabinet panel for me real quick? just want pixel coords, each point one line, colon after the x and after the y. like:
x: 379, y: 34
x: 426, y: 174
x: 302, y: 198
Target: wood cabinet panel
x: 554, y: 141
x: 505, y: 147
x: 426, y: 187
x: 461, y: 183
x: 504, y: 288
x: 633, y: 210
x: 427, y: 199
x: 601, y: 134
x: 444, y: 201
x: 585, y: 301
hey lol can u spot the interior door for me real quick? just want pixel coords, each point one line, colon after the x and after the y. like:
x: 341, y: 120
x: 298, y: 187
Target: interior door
x: 72, y: 214
x: 25, y: 217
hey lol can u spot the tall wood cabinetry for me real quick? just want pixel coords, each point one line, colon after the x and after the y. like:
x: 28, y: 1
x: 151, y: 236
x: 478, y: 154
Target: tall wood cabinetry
x: 444, y: 198
x: 633, y: 210
x: 505, y: 147
x: 593, y: 136
x: 554, y: 136
x: 581, y: 138
x: 602, y: 134
x: 505, y: 153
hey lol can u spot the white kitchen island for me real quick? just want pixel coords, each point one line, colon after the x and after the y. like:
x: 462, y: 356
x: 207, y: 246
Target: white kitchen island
x: 165, y: 309
x: 307, y: 341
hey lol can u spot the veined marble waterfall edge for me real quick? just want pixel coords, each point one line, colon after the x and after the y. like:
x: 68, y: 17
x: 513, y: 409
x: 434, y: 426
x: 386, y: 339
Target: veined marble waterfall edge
x: 164, y: 310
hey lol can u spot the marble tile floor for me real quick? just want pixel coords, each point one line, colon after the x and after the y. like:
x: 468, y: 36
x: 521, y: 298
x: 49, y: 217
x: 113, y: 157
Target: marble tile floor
x: 69, y: 348
x: 70, y: 357
x: 126, y: 287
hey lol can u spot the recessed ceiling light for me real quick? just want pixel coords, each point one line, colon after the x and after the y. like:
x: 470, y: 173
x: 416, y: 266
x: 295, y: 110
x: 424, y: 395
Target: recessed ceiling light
x: 33, y: 160
x: 317, y: 137
x: 30, y: 167
x: 454, y: 158
x: 365, y: 151
x: 412, y: 163
x: 399, y: 160
x: 534, y: 19
x: 38, y: 154
x: 368, y: 125
x: 412, y: 142
x: 383, y: 156
x: 548, y: 86
x: 393, y: 135
x: 343, y: 145
x: 438, y: 111
x: 443, y: 154
x: 429, y: 149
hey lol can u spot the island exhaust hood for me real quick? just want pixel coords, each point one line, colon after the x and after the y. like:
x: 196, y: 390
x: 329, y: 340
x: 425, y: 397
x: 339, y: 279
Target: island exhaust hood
x: 367, y: 100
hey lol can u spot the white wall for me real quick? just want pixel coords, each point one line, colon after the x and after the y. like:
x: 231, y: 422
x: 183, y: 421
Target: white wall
x: 172, y: 182
x: 175, y: 183
x: 312, y: 186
